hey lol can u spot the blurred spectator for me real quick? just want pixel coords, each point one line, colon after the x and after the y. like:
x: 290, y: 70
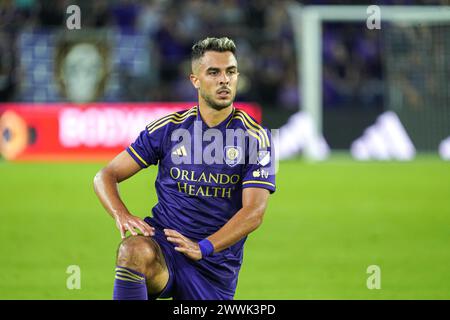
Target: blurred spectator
x: 6, y: 68
x: 10, y: 22
x: 288, y: 95
x: 125, y: 14
x: 149, y: 17
x: 51, y: 13
x: 262, y: 29
x: 101, y: 15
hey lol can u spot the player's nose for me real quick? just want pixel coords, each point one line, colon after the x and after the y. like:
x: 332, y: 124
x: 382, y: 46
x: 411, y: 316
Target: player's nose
x: 224, y: 79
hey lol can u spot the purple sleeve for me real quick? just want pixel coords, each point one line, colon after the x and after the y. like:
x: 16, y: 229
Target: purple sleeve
x: 146, y: 149
x: 259, y: 171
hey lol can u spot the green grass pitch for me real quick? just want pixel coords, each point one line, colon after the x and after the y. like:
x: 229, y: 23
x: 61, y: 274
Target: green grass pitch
x: 324, y: 226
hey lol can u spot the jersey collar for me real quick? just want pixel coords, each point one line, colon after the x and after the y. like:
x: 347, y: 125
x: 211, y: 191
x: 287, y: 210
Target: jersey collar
x: 221, y: 125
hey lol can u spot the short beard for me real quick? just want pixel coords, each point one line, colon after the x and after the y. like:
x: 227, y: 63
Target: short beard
x: 210, y: 102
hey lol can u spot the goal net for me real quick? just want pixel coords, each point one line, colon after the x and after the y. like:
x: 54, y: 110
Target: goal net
x: 417, y: 79
x: 415, y: 64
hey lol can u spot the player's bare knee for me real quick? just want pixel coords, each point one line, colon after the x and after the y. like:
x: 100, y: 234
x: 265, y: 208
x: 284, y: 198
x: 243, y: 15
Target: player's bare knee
x: 137, y: 252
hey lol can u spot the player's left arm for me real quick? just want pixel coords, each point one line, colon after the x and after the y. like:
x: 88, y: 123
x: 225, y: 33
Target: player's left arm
x: 246, y: 220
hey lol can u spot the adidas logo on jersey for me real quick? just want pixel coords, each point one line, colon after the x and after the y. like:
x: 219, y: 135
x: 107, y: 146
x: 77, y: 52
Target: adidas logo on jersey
x: 180, y: 151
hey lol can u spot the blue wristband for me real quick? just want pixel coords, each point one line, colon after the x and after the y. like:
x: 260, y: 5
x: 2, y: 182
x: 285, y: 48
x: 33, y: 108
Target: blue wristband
x: 206, y: 247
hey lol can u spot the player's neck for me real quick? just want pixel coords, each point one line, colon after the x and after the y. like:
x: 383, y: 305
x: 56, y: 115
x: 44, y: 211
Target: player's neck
x: 213, y: 117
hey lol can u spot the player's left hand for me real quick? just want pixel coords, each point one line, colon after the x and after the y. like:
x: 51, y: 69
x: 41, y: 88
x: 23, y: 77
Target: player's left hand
x: 184, y: 245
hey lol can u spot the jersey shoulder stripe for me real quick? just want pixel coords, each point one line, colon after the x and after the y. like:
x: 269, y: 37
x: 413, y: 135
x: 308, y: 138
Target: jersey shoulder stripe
x: 251, y: 131
x: 253, y: 128
x: 256, y: 125
x: 177, y: 115
x: 174, y: 117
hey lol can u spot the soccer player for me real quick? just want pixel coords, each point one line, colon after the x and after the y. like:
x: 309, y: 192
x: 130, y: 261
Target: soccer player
x: 192, y: 247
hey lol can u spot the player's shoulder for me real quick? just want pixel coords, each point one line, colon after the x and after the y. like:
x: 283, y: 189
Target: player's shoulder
x: 243, y: 120
x: 240, y: 112
x: 172, y: 120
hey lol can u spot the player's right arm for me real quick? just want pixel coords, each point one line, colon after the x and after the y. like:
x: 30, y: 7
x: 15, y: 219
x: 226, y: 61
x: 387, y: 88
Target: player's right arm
x: 106, y: 186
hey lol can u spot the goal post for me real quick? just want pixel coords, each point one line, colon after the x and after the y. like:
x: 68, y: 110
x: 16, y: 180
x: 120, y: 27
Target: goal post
x: 307, y: 26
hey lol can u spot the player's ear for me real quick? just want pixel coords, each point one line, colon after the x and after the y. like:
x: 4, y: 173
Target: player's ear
x: 195, y: 81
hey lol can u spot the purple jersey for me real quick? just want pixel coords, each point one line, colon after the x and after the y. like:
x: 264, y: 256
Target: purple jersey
x: 197, y: 193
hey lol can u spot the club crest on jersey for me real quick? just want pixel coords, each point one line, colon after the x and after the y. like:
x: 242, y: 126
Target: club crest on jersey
x: 233, y: 155
x: 263, y: 157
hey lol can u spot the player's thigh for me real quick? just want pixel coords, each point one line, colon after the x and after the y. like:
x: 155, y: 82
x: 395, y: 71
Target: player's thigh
x: 196, y: 286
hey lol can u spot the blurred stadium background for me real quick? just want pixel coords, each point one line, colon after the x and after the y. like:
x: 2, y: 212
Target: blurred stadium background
x: 363, y: 180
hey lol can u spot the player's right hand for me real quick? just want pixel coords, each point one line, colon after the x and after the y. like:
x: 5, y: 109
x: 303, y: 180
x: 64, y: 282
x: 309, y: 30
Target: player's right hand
x: 127, y: 222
